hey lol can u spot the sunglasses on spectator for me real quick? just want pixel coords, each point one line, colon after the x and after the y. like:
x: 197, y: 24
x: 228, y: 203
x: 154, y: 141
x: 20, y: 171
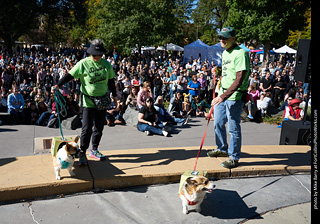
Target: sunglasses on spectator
x: 222, y: 38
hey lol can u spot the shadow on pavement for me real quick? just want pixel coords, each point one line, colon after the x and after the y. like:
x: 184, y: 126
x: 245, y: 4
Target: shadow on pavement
x: 226, y: 204
x: 167, y: 155
x: 288, y: 159
x: 8, y: 130
x: 7, y: 160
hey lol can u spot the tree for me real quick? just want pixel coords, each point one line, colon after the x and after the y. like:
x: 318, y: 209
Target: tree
x: 130, y: 23
x: 267, y: 21
x: 210, y: 12
x: 17, y: 18
x: 208, y: 16
x: 305, y: 33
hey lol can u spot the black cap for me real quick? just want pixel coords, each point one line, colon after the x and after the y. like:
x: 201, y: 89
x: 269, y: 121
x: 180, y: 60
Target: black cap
x: 96, y: 48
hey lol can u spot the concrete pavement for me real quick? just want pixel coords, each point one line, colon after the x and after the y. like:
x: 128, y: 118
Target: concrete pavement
x: 33, y: 176
x: 135, y: 159
x: 234, y: 200
x: 19, y: 140
x: 25, y: 175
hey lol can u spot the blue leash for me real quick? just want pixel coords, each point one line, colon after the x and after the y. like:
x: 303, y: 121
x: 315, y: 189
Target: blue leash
x: 60, y: 101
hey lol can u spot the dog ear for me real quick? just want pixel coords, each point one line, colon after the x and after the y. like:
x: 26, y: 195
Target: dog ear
x: 190, y: 181
x: 68, y: 147
x: 76, y: 139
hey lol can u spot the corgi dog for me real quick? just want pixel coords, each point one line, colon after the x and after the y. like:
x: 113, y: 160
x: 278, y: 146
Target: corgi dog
x: 65, y: 157
x: 193, y: 192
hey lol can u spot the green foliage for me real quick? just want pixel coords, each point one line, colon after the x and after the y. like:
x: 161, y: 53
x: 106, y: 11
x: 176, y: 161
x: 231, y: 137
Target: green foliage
x: 305, y: 33
x: 267, y: 21
x: 17, y: 18
x: 129, y: 23
x: 136, y: 23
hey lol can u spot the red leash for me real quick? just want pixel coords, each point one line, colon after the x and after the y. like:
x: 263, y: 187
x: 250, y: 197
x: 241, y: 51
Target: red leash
x: 205, y: 133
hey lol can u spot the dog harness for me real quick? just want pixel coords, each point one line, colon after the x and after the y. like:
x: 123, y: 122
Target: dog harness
x: 64, y: 164
x: 190, y: 202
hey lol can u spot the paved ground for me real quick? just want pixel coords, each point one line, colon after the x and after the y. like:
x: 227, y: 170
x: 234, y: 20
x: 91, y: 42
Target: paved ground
x: 233, y: 201
x: 19, y: 140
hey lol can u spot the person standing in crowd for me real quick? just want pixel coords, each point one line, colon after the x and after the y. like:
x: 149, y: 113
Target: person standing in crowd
x: 228, y: 104
x: 97, y: 78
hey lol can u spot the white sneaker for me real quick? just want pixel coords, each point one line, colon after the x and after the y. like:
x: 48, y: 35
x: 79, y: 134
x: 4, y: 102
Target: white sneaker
x: 165, y: 133
x: 147, y: 133
x: 186, y: 120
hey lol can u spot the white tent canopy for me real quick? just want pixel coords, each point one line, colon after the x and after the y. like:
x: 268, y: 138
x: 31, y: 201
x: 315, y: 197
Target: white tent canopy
x: 174, y: 47
x: 161, y: 48
x: 215, y: 54
x: 146, y: 48
x: 284, y: 49
x: 194, y: 49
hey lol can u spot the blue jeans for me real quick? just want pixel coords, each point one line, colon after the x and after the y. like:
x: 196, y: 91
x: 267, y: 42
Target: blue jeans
x: 229, y: 110
x: 152, y: 129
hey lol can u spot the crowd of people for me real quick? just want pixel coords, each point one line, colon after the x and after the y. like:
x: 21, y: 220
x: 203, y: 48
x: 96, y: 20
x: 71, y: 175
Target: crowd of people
x: 148, y: 80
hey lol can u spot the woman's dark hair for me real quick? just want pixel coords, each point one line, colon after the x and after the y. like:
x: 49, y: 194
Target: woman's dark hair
x: 150, y: 99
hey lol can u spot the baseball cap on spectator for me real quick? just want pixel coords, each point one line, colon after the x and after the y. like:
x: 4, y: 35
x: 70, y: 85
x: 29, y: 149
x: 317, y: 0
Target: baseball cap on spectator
x: 227, y: 32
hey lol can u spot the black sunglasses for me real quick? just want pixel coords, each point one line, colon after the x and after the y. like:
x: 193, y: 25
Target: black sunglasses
x: 222, y: 38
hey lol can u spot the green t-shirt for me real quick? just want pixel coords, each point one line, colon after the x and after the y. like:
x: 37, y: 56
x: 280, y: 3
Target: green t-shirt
x: 94, y: 78
x: 232, y: 62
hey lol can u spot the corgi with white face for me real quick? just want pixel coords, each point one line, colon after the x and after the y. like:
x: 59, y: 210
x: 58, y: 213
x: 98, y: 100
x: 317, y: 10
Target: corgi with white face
x: 193, y: 192
x: 65, y: 157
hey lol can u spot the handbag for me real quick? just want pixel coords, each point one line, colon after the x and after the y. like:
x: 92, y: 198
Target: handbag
x: 100, y: 102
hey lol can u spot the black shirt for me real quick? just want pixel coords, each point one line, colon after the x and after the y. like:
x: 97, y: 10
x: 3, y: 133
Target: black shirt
x: 148, y: 115
x: 266, y: 83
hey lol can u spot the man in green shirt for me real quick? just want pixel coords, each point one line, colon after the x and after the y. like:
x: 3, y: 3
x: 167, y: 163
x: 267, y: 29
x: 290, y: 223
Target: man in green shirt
x: 228, y: 104
x: 97, y: 78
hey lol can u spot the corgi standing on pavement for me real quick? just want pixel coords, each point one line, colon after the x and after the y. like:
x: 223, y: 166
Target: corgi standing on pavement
x: 193, y: 192
x: 65, y: 158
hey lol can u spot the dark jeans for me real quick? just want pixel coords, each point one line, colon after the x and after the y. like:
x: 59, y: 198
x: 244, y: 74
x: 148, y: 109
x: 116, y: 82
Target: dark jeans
x: 92, y: 118
x: 19, y: 116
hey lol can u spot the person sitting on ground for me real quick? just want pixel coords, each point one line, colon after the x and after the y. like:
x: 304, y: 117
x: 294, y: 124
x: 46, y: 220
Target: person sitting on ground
x: 293, y: 111
x: 114, y: 114
x: 194, y: 87
x: 135, y: 82
x: 252, y: 103
x: 32, y: 114
x: 44, y: 114
x: 186, y: 105
x: 148, y: 118
x: 264, y: 103
x: 72, y: 106
x: 164, y: 116
x: 144, y: 93
x: 199, y: 107
x: 175, y: 106
x: 15, y: 104
x: 132, y: 98
x: 3, y: 104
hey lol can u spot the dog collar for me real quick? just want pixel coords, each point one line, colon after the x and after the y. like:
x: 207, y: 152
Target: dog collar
x: 190, y: 202
x: 64, y: 164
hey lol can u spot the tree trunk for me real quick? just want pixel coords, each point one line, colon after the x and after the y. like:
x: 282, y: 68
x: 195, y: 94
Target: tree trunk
x: 266, y: 52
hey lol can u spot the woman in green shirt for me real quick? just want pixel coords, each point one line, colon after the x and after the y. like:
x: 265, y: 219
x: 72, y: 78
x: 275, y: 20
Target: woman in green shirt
x: 97, y: 79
